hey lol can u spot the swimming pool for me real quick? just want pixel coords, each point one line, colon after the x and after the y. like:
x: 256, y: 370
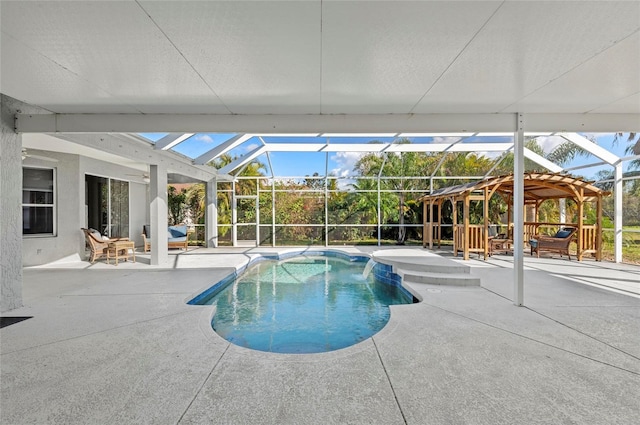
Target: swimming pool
x: 305, y: 304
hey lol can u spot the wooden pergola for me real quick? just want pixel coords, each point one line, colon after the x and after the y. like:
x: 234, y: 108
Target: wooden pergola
x: 538, y: 187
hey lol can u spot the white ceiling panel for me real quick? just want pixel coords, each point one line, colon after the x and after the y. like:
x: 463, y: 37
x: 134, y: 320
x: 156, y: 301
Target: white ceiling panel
x: 112, y: 45
x: 34, y: 79
x: 524, y: 47
x: 322, y: 57
x: 383, y: 57
x: 256, y: 56
x: 630, y: 104
x: 591, y: 85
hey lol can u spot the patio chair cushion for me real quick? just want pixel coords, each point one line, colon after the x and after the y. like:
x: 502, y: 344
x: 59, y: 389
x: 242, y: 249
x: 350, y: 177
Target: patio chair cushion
x: 95, y: 234
x: 563, y: 233
x: 177, y: 233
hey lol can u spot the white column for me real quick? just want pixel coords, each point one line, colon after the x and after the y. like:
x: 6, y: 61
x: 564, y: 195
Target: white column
x: 10, y: 211
x: 518, y: 212
x: 234, y: 215
x: 158, y: 214
x: 563, y: 210
x: 211, y: 216
x: 617, y: 222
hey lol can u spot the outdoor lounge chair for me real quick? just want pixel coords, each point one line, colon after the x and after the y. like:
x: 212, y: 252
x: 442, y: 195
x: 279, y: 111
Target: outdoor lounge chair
x: 177, y: 236
x: 557, y: 243
x: 98, y: 244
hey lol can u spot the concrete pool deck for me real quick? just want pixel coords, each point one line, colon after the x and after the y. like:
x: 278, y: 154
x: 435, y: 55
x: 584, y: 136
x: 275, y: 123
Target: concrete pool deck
x: 118, y: 345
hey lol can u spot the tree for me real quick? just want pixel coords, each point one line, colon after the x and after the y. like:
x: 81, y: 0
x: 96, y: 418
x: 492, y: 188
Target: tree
x: 176, y: 203
x: 633, y: 147
x: 400, y: 167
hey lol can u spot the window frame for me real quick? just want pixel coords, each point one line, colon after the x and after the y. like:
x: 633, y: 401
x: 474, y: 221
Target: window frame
x: 53, y: 205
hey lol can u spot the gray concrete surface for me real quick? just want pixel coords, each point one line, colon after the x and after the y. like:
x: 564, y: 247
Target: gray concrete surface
x: 118, y: 345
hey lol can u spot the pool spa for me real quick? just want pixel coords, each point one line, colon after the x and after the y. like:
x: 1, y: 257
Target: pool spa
x: 304, y: 303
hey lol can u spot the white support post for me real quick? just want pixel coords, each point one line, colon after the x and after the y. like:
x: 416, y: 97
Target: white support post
x: 257, y: 212
x: 234, y: 215
x: 562, y: 205
x: 158, y: 214
x: 211, y: 218
x: 326, y: 199
x: 518, y: 212
x: 273, y: 211
x: 617, y: 223
x: 10, y: 211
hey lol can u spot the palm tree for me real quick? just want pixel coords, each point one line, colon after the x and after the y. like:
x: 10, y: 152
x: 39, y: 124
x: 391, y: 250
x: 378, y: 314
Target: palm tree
x: 633, y: 148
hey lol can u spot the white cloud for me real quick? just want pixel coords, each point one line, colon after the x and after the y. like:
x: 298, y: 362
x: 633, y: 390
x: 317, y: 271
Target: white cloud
x: 447, y: 139
x: 204, y: 138
x: 345, y: 162
x: 549, y: 143
x: 251, y: 147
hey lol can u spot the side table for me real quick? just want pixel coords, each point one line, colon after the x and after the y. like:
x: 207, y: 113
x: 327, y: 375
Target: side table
x: 121, y: 250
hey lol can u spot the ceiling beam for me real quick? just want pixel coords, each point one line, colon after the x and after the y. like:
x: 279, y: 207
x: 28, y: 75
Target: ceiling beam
x: 339, y: 123
x: 125, y: 147
x: 222, y: 148
x: 171, y: 140
x: 245, y: 159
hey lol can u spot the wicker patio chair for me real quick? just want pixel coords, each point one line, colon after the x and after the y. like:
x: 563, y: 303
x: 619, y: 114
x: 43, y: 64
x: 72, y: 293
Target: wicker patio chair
x: 97, y: 243
x: 557, y: 243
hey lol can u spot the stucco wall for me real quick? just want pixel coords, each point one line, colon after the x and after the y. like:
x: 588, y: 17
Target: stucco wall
x: 10, y: 208
x: 43, y: 249
x: 70, y: 206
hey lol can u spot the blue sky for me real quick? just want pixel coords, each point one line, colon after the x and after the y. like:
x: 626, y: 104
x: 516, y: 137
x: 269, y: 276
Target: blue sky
x: 341, y: 163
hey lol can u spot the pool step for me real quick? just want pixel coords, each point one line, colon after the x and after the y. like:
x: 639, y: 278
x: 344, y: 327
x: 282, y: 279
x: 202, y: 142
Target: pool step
x: 454, y: 279
x: 419, y: 261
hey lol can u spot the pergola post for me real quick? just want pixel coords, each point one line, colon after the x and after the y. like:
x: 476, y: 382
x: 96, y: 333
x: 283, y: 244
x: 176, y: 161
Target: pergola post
x: 425, y: 224
x: 518, y: 212
x: 580, y: 200
x: 454, y: 203
x: 431, y: 228
x: 486, y: 222
x: 465, y: 221
x: 599, y: 228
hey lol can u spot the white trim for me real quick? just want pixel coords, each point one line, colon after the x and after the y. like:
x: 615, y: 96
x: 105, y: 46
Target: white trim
x: 322, y: 124
x: 53, y: 205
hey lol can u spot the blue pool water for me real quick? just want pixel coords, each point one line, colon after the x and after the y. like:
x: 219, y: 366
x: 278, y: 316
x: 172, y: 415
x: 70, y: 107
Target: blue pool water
x: 303, y: 305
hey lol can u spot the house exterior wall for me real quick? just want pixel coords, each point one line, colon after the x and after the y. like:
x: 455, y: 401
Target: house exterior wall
x: 44, y: 249
x: 70, y: 206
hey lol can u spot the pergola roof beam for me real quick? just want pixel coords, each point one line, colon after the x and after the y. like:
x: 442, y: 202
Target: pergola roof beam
x: 171, y: 140
x: 222, y: 148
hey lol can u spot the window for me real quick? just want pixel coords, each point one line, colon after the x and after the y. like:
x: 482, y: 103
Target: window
x: 38, y: 201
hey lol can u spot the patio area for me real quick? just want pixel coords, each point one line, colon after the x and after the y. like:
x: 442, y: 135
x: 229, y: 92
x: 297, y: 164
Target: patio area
x: 108, y: 344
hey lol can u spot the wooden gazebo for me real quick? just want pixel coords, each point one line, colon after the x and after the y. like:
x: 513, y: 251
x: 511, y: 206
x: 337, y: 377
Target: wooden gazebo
x: 538, y: 187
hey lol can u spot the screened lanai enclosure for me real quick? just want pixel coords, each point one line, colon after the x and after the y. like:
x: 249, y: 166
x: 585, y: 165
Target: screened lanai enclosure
x: 368, y: 189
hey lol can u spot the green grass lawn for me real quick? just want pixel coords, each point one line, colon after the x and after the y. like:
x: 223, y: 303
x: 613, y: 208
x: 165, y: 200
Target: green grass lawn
x: 630, y: 244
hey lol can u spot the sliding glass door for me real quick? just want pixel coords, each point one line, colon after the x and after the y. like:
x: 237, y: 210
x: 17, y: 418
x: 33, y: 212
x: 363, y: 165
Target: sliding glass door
x: 107, y: 205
